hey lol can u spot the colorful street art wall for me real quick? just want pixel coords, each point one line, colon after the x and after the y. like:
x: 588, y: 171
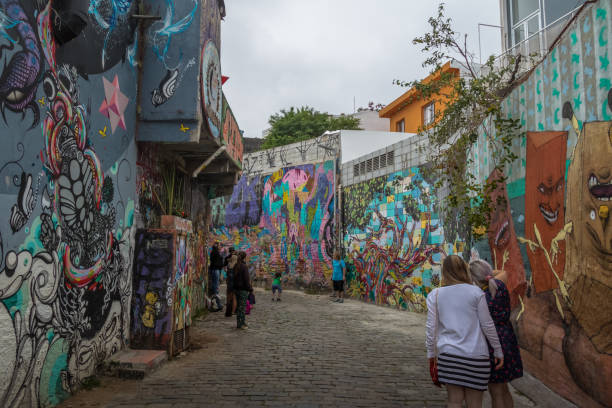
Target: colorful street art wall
x: 394, y: 240
x: 67, y: 171
x: 559, y: 194
x: 284, y: 221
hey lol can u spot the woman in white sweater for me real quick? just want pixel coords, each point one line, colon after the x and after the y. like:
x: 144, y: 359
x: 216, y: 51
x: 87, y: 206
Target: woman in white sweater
x: 458, y: 327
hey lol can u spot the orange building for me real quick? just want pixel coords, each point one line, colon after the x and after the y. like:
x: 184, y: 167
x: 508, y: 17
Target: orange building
x: 411, y: 111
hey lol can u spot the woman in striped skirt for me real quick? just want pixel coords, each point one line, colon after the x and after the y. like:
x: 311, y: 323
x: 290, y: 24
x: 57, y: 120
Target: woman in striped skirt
x: 458, y: 327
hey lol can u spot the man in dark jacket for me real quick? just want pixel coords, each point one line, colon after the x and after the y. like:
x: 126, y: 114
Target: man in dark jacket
x: 215, y: 268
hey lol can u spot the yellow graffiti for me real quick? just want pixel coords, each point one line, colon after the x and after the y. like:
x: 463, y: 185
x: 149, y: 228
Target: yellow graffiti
x: 150, y: 315
x: 550, y: 255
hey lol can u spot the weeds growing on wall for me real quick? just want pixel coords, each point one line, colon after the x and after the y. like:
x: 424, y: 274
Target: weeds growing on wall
x: 473, y: 107
x: 174, y: 186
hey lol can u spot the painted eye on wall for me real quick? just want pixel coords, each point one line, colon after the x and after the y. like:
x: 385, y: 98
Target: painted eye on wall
x: 593, y: 215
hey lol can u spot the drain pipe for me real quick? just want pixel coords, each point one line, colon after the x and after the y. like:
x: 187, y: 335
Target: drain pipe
x: 208, y: 161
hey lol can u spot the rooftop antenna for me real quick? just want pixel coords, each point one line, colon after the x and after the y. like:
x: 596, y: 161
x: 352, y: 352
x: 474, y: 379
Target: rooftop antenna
x: 354, y: 111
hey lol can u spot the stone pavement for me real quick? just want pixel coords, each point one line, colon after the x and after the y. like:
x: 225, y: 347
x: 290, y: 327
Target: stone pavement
x: 305, y: 351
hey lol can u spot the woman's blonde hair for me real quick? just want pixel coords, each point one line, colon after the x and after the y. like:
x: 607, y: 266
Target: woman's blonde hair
x: 482, y: 275
x: 455, y: 271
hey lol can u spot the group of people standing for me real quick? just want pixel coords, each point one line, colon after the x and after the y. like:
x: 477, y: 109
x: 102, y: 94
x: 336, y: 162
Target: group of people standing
x: 238, y: 282
x: 470, y: 342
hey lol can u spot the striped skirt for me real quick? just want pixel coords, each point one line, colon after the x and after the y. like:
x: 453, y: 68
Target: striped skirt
x: 464, y: 371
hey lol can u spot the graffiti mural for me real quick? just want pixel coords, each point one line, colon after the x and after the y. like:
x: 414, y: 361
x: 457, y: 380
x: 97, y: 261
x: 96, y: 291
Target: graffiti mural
x: 65, y: 282
x: 211, y: 87
x: 588, y: 272
x: 244, y: 207
x: 232, y: 136
x: 394, y: 239
x: 97, y: 35
x: 544, y: 205
x: 284, y: 221
x: 558, y: 191
x: 503, y: 242
x: 151, y: 318
x: 20, y: 75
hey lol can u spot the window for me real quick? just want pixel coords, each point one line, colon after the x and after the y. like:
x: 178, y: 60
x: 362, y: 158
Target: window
x: 429, y: 114
x: 400, y: 126
x: 373, y: 164
x: 528, y: 17
x: 390, y: 158
x: 523, y: 8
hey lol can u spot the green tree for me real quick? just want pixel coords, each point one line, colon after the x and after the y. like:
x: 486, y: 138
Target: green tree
x: 297, y: 124
x: 475, y: 109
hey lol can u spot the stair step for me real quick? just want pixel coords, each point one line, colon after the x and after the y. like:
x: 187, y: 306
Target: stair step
x: 135, y: 364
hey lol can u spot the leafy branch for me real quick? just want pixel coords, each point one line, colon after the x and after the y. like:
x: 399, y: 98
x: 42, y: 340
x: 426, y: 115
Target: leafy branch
x: 471, y: 96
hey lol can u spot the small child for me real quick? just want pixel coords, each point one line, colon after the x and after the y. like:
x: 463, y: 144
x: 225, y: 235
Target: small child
x: 276, y: 287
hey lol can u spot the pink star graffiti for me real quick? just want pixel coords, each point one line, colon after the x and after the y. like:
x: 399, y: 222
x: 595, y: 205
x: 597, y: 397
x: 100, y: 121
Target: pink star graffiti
x: 114, y: 104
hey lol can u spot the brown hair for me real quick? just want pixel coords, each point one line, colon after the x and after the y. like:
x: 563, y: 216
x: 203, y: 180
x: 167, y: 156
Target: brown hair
x: 337, y: 255
x: 241, y: 257
x: 455, y: 271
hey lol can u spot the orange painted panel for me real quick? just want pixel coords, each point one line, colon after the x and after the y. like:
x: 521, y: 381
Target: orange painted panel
x: 544, y: 203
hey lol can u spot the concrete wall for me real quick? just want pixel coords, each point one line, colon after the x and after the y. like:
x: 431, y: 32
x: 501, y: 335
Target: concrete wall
x: 322, y: 148
x: 558, y: 194
x: 369, y: 120
x: 405, y: 154
x: 68, y: 194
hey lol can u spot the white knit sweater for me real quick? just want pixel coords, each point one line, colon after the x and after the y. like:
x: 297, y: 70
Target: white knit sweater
x: 463, y: 322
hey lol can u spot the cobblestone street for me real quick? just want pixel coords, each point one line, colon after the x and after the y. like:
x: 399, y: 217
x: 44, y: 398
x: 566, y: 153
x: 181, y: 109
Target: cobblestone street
x: 305, y: 351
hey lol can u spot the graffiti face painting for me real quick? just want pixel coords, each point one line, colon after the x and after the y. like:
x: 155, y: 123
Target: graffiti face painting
x: 589, y: 246
x: 544, y: 202
x: 503, y: 242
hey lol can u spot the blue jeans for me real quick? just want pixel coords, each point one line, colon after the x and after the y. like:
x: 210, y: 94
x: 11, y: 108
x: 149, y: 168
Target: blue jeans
x: 214, y: 281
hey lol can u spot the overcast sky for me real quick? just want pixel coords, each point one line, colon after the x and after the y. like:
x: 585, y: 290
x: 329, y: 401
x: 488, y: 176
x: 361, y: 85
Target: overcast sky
x: 324, y: 53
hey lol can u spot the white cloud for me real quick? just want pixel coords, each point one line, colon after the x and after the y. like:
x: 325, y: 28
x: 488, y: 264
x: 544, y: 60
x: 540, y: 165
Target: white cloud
x: 322, y: 53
